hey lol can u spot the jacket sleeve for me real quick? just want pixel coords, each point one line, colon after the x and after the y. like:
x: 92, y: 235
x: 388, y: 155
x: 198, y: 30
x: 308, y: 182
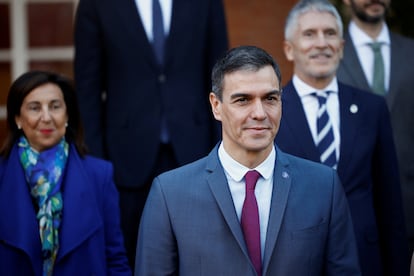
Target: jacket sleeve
x: 156, y: 248
x: 388, y: 201
x: 114, y: 244
x: 89, y: 71
x: 342, y: 254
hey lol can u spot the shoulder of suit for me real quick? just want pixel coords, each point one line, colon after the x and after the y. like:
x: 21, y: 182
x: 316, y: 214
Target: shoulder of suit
x: 288, y: 87
x: 403, y: 46
x: 310, y: 174
x: 195, y: 167
x: 364, y: 97
x: 358, y: 91
x: 300, y: 163
x: 401, y: 38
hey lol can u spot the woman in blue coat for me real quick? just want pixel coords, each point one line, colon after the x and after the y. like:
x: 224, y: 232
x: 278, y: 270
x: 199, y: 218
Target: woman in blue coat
x: 59, y: 211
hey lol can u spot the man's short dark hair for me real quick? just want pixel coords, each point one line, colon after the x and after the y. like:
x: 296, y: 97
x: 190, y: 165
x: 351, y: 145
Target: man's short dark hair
x: 243, y: 58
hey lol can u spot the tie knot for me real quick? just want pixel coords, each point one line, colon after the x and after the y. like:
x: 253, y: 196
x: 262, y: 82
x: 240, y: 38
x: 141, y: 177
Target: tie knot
x: 375, y: 46
x: 321, y: 96
x: 251, y: 179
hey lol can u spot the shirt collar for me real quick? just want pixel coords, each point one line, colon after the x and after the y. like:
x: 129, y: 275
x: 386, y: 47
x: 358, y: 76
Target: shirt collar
x: 237, y: 171
x: 360, y: 38
x: 304, y: 89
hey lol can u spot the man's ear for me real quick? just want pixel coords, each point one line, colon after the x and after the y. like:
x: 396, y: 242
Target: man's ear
x: 288, y: 49
x: 215, y: 105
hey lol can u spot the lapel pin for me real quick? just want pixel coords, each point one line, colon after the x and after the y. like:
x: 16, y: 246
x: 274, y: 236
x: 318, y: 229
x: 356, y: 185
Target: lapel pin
x: 285, y: 175
x: 353, y: 108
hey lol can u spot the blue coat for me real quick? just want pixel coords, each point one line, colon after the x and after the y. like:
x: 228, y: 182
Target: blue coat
x: 90, y: 238
x: 190, y: 227
x: 368, y: 171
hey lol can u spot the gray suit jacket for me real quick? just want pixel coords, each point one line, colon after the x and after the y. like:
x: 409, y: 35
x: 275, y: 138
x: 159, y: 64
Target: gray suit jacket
x: 190, y: 227
x: 400, y: 101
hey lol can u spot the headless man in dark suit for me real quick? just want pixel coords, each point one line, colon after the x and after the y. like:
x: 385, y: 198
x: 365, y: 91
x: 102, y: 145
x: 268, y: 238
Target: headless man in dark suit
x: 363, y: 145
x: 155, y: 113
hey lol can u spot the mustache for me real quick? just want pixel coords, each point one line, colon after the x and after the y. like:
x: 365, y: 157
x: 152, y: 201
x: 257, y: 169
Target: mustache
x: 376, y: 2
x: 321, y: 53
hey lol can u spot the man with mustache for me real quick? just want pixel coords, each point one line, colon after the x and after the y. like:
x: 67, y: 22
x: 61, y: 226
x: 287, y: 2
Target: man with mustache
x: 345, y: 128
x: 356, y: 68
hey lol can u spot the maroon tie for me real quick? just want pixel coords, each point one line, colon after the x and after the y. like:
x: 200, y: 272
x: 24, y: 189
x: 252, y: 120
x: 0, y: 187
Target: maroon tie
x: 250, y: 221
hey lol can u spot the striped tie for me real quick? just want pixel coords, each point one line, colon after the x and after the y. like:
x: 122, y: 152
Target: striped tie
x: 325, y: 137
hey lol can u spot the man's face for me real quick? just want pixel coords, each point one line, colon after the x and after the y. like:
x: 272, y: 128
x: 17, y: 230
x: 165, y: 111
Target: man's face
x: 250, y: 111
x: 315, y: 47
x: 369, y: 11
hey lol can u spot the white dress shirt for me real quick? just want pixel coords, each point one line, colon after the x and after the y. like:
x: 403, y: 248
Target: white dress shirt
x: 311, y: 105
x: 263, y: 191
x: 366, y: 55
x: 145, y: 11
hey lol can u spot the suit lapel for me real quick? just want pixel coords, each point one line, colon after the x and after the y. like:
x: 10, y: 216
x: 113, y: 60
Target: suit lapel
x: 295, y: 119
x: 280, y: 194
x: 127, y: 12
x: 221, y: 192
x: 81, y: 218
x: 349, y: 113
x: 352, y: 65
x: 396, y: 60
x: 180, y: 18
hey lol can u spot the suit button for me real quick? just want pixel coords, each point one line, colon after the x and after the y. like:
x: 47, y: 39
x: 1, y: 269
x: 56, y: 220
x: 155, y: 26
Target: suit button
x: 161, y: 78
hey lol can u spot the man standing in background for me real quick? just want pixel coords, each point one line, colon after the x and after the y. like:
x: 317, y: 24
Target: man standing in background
x: 347, y: 129
x: 142, y: 75
x: 379, y: 60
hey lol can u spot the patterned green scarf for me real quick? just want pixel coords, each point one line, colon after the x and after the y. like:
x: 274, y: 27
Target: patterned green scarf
x: 43, y: 173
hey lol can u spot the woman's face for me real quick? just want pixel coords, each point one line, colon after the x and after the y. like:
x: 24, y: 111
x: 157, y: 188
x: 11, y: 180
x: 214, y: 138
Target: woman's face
x: 43, y: 116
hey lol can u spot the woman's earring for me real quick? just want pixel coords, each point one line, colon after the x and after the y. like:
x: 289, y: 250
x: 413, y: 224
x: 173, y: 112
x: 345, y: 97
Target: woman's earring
x: 19, y: 127
x: 66, y: 124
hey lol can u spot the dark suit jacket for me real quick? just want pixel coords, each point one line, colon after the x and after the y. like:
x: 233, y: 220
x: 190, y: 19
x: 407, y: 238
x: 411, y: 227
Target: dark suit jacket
x: 368, y: 171
x: 190, y: 227
x: 90, y: 237
x: 113, y: 54
x: 400, y: 100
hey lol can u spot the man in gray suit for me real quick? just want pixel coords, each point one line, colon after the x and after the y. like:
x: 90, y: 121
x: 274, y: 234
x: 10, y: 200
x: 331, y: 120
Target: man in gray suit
x: 195, y: 219
x: 356, y: 68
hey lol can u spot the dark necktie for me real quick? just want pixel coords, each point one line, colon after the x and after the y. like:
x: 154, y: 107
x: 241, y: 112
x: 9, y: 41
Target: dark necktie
x: 325, y: 137
x: 158, y: 45
x: 158, y: 31
x: 378, y: 69
x: 250, y: 221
